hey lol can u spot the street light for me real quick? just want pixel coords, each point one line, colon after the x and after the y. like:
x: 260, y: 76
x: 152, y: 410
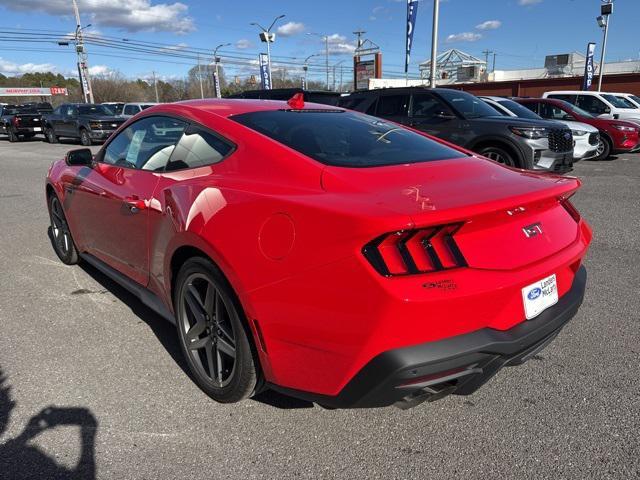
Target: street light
x: 606, y: 9
x: 326, y: 48
x: 305, y: 68
x: 267, y: 37
x: 216, y: 60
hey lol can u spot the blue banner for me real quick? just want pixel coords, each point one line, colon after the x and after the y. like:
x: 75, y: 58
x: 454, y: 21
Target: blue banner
x: 264, y: 72
x: 412, y: 12
x: 588, y: 67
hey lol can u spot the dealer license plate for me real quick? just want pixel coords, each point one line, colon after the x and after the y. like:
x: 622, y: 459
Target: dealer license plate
x: 539, y: 296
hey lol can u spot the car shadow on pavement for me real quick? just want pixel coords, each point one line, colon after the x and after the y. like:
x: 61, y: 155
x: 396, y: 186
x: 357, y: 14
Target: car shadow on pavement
x: 165, y: 332
x: 20, y: 459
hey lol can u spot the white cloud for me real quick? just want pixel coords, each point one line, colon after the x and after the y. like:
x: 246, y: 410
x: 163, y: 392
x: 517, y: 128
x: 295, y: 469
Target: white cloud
x: 176, y: 48
x: 489, y: 25
x: 12, y: 68
x: 338, y: 44
x: 290, y: 28
x: 243, y: 44
x: 128, y: 15
x: 525, y: 3
x: 100, y: 71
x: 464, y: 37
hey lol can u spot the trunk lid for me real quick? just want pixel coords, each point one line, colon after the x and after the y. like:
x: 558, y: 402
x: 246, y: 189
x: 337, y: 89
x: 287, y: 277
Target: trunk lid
x: 511, y: 217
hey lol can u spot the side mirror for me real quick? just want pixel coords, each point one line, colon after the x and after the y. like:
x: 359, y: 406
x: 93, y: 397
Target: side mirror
x: 80, y: 157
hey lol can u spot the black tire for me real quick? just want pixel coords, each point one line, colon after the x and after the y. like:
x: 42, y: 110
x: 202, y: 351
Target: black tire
x: 85, y: 138
x: 213, y: 333
x: 604, y: 148
x: 60, y: 234
x: 28, y: 136
x: 50, y: 135
x: 500, y: 155
x: 13, y: 136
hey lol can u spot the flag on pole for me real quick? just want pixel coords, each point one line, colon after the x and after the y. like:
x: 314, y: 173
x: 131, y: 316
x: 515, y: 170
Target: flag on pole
x: 412, y: 12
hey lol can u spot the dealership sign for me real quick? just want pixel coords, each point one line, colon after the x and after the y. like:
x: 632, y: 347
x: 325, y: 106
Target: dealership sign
x: 588, y: 67
x: 32, y: 91
x: 412, y: 12
x: 265, y: 75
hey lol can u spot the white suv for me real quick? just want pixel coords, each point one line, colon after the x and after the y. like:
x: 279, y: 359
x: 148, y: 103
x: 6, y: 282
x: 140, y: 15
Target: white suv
x: 599, y: 104
x: 634, y: 100
x: 131, y: 109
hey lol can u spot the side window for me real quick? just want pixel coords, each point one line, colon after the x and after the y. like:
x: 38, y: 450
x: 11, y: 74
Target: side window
x: 130, y: 110
x: 392, y: 106
x: 198, y: 148
x: 70, y: 111
x: 591, y: 104
x: 58, y: 111
x: 371, y: 110
x: 146, y: 144
x: 425, y: 105
x: 535, y: 107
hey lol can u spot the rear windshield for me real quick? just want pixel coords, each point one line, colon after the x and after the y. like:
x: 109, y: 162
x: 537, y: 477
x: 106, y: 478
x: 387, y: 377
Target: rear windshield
x: 519, y: 110
x: 346, y: 139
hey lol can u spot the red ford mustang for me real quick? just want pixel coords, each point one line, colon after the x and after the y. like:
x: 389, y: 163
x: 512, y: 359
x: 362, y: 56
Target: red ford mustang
x: 324, y: 253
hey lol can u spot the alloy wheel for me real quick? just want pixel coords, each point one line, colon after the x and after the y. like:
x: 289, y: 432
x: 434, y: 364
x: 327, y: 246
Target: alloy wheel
x: 60, y: 229
x: 209, y: 334
x: 499, y: 157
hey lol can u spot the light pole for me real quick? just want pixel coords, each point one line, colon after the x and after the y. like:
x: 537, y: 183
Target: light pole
x: 434, y: 43
x: 216, y: 60
x: 305, y: 67
x: 268, y: 37
x: 326, y: 50
x: 155, y: 86
x: 606, y: 9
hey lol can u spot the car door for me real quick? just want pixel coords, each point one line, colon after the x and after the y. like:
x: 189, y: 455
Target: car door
x: 113, y: 199
x: 67, y: 125
x: 56, y: 119
x: 431, y: 115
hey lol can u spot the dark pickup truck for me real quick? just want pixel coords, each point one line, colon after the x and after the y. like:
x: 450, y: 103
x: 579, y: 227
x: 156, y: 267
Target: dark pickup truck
x: 20, y: 122
x: 86, y: 122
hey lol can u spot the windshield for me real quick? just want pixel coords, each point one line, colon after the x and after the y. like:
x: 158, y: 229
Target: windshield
x: 619, y: 102
x: 346, y: 139
x: 144, y: 106
x: 94, y: 110
x: 519, y: 110
x: 635, y: 98
x: 574, y: 109
x: 626, y: 101
x: 467, y: 105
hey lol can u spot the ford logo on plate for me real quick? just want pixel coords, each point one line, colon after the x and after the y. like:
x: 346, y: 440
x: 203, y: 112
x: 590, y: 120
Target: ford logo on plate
x: 535, y: 293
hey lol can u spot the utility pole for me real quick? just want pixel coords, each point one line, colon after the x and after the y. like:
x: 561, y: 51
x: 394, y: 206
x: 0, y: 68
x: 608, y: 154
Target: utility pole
x: 83, y: 59
x: 434, y: 43
x: 155, y: 86
x: 200, y: 78
x: 359, y: 34
x: 606, y: 9
x: 493, y: 69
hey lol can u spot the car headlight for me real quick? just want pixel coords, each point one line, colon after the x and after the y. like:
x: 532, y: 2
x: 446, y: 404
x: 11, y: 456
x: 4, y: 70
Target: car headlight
x: 624, y: 128
x: 533, y: 133
x: 579, y: 133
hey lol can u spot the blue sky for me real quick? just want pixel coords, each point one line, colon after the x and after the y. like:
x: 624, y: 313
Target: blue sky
x: 522, y: 32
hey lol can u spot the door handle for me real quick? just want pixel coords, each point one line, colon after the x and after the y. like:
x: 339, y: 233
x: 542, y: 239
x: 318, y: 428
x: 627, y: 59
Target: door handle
x: 135, y: 205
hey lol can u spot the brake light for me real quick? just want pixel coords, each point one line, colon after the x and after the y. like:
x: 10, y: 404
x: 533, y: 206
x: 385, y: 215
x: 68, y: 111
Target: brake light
x: 15, y: 121
x: 571, y: 210
x: 410, y: 252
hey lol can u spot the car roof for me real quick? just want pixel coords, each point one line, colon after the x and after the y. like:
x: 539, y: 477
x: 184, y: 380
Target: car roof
x: 226, y: 107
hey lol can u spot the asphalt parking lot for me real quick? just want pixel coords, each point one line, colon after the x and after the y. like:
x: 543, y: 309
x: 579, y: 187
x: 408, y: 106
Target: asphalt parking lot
x: 92, y: 377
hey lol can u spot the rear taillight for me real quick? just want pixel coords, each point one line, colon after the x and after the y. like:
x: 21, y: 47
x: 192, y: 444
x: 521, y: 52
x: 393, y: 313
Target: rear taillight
x: 410, y: 252
x: 571, y: 210
x: 15, y: 121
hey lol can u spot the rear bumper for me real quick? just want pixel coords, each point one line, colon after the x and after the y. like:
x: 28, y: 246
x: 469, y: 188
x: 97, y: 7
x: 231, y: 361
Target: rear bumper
x: 458, y: 365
